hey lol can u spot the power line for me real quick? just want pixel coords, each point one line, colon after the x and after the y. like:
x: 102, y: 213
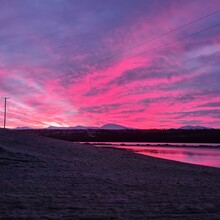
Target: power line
x: 21, y: 117
x: 22, y: 113
x: 163, y: 34
x: 153, y: 39
x: 173, y: 42
x: 13, y: 113
x: 164, y: 45
x: 30, y: 115
x: 26, y: 119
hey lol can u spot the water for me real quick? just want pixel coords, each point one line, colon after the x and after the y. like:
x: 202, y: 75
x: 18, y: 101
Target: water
x: 193, y: 153
x: 156, y: 144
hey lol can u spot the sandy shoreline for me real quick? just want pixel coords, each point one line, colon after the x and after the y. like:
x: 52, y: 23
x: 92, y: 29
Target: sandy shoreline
x: 43, y: 178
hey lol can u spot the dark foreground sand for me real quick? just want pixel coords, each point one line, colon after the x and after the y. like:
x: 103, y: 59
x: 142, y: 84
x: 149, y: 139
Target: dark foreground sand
x: 42, y: 178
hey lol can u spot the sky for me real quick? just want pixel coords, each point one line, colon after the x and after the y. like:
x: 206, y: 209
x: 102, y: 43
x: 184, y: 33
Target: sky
x: 143, y: 64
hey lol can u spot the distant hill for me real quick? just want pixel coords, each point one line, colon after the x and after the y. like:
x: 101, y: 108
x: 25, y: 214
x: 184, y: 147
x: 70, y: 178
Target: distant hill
x: 61, y: 128
x: 23, y: 128
x: 192, y: 127
x: 113, y: 127
x: 84, y: 127
x: 79, y: 127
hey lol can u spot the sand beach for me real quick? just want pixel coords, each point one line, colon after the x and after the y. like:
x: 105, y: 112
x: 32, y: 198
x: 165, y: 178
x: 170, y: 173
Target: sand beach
x: 45, y: 178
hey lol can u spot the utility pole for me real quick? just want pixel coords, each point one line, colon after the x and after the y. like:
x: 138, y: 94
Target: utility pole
x: 5, y: 98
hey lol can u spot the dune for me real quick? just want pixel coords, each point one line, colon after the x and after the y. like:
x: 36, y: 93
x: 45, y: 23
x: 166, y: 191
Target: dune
x: 45, y: 178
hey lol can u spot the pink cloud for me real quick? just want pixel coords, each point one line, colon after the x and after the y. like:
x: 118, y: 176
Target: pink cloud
x: 62, y: 74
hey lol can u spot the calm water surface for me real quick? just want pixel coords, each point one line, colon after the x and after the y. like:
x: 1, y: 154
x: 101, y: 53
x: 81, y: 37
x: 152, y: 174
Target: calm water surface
x: 200, y: 154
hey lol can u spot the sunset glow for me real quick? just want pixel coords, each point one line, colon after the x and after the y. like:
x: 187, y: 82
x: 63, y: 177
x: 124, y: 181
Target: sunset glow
x: 143, y: 64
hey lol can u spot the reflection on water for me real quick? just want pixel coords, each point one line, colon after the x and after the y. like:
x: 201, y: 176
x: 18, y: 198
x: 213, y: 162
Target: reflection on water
x: 200, y: 156
x: 193, y: 153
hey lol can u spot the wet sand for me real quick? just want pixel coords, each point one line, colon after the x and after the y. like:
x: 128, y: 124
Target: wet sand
x: 43, y: 178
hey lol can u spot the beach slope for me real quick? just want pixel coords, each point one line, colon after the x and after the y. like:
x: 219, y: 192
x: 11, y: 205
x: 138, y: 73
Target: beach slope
x: 44, y: 178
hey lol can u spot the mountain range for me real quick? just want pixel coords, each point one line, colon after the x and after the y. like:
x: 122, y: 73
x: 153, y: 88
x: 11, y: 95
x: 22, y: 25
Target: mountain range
x: 79, y: 127
x: 113, y: 127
